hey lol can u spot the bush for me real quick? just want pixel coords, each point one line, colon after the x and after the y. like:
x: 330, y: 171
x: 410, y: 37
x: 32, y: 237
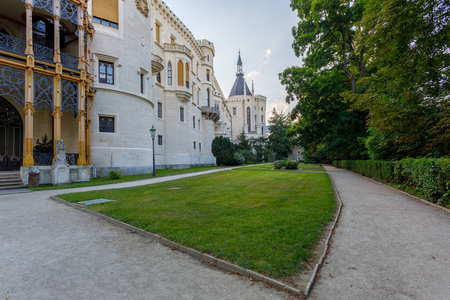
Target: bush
x: 428, y: 177
x: 291, y: 165
x: 113, y: 174
x: 278, y: 164
x: 239, y: 158
x: 223, y: 149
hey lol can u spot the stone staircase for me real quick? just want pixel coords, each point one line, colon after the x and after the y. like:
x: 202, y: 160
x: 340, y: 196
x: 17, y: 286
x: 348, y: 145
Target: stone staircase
x: 10, y: 180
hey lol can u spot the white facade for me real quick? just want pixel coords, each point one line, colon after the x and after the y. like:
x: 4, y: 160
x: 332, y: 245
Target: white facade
x: 247, y: 109
x: 162, y: 77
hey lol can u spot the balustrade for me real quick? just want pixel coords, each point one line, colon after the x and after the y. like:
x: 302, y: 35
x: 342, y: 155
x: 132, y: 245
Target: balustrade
x: 12, y: 44
x: 46, y: 159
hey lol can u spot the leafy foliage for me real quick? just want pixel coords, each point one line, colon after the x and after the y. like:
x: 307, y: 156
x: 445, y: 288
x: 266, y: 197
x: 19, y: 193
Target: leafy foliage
x: 278, y: 142
x: 114, y: 174
x: 46, y: 146
x: 407, y: 97
x: 223, y: 149
x: 325, y: 125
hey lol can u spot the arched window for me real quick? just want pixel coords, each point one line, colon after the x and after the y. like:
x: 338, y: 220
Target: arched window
x: 208, y: 97
x: 248, y: 119
x: 187, y: 75
x: 169, y: 73
x: 180, y: 73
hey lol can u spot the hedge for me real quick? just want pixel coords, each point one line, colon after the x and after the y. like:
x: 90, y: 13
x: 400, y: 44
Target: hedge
x: 428, y: 177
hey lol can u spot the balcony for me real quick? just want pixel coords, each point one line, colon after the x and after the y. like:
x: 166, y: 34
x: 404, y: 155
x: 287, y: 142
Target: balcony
x: 211, y: 113
x: 178, y: 48
x: 42, y: 53
x: 157, y: 64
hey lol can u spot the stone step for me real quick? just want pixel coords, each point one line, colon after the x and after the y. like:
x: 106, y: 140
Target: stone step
x: 17, y: 186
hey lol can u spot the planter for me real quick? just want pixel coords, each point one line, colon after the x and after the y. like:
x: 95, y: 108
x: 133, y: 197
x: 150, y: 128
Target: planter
x: 33, y: 180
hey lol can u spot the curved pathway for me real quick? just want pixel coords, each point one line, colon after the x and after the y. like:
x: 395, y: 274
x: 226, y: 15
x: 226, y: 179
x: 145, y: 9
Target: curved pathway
x: 387, y: 245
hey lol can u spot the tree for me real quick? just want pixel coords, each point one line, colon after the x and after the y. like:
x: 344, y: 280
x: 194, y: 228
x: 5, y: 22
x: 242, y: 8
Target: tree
x: 278, y: 142
x: 408, y: 95
x: 326, y: 32
x: 259, y: 146
x: 324, y: 123
x: 242, y: 142
x: 223, y: 149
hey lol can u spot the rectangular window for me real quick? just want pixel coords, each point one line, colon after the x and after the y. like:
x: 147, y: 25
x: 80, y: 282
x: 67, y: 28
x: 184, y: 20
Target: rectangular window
x: 158, y: 32
x: 106, y: 72
x: 159, y: 110
x: 160, y: 140
x: 193, y: 121
x: 106, y: 12
x: 207, y: 75
x: 234, y: 111
x: 198, y: 124
x: 142, y: 83
x: 195, y: 145
x: 200, y: 146
x: 172, y: 40
x: 158, y: 77
x: 182, y: 114
x: 106, y: 124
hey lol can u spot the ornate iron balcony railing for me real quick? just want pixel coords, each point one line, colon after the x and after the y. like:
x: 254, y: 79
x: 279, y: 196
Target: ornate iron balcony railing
x: 12, y: 44
x: 69, y: 61
x: 46, y: 159
x: 43, y: 53
x: 17, y: 46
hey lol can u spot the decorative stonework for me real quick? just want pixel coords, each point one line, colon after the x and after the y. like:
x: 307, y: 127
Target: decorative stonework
x: 142, y: 6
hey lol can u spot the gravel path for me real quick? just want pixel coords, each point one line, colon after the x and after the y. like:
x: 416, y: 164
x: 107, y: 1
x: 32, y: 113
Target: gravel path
x: 388, y: 245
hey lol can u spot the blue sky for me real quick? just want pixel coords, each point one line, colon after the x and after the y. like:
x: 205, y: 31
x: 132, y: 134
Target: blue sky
x: 261, y: 29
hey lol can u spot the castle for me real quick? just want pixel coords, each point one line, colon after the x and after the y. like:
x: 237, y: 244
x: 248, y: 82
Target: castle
x: 99, y: 74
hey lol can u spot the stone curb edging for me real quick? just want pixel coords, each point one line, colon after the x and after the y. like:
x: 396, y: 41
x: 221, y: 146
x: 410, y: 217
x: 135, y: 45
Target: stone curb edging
x: 194, y: 253
x: 400, y: 191
x: 327, y: 244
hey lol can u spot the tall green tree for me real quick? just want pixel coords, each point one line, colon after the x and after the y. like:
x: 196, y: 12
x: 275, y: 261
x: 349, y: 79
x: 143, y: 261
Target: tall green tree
x: 325, y: 35
x: 324, y: 124
x: 278, y: 142
x: 407, y: 43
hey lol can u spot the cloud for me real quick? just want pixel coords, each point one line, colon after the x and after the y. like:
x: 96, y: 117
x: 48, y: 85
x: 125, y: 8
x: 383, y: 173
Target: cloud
x: 267, y: 55
x: 279, y: 105
x: 252, y: 74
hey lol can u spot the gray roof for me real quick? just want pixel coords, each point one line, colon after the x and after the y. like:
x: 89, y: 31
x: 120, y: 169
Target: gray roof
x: 238, y: 87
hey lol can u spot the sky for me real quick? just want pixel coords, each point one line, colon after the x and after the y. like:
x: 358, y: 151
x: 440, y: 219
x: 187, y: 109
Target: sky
x: 260, y: 29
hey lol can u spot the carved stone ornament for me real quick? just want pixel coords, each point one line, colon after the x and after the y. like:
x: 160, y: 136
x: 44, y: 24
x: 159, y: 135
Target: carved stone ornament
x: 142, y: 6
x: 60, y: 151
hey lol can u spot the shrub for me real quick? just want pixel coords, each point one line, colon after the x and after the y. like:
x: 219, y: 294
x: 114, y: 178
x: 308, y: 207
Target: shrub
x: 291, y: 165
x: 278, y: 164
x: 223, y: 149
x: 239, y: 158
x: 429, y: 177
x: 113, y: 174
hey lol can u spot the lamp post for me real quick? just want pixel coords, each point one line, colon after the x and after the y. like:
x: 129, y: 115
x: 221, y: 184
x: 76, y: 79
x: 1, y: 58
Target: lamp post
x: 153, y: 134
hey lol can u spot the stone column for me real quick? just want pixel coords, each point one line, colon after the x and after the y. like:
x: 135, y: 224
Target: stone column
x: 81, y: 125
x: 29, y: 27
x: 28, y: 110
x: 81, y: 33
x: 57, y: 114
x: 57, y: 37
x: 88, y: 128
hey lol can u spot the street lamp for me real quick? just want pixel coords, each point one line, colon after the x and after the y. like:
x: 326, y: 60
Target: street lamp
x: 153, y: 133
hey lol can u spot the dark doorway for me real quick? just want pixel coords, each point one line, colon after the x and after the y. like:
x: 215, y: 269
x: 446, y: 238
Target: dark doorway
x: 11, y: 137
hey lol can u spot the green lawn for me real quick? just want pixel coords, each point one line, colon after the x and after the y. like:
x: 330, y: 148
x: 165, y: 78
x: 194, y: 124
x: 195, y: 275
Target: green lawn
x: 106, y: 180
x: 264, y: 221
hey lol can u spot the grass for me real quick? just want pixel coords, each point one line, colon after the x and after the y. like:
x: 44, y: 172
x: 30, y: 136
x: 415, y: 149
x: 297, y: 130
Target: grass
x: 107, y: 180
x: 264, y: 221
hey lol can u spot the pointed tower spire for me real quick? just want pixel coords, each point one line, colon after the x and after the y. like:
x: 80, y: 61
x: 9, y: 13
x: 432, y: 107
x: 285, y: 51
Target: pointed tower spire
x: 239, y: 65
